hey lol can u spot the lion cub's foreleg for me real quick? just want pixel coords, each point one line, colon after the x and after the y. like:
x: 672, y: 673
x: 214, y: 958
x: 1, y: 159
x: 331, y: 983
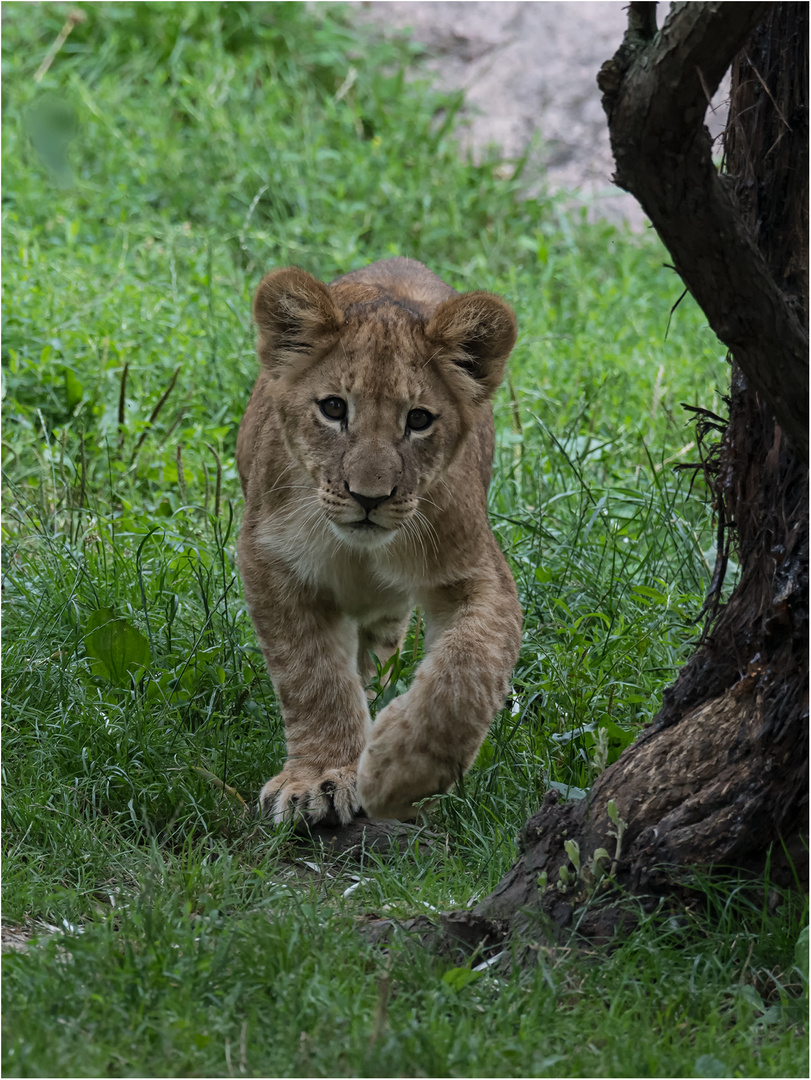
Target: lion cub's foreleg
x: 311, y: 654
x: 424, y: 740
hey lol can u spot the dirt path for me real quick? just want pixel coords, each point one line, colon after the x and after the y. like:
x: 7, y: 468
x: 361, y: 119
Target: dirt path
x: 528, y: 70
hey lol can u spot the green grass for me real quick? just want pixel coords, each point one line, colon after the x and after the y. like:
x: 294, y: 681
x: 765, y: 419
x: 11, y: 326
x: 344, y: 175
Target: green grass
x: 286, y: 989
x: 170, y: 156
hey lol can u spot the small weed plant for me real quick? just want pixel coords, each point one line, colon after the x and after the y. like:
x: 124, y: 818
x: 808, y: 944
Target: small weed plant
x: 169, y: 156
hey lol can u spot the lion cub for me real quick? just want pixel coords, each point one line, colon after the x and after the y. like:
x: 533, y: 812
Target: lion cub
x: 364, y: 455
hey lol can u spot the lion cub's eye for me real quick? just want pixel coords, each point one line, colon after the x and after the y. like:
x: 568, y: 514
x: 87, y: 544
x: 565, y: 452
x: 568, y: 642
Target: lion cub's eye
x: 334, y: 408
x: 419, y: 419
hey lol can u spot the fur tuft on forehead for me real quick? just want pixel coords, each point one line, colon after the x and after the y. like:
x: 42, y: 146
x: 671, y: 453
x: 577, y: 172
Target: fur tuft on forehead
x: 358, y: 301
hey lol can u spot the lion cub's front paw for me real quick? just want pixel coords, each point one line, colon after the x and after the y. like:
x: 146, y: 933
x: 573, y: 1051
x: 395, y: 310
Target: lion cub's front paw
x: 394, y: 778
x: 301, y: 792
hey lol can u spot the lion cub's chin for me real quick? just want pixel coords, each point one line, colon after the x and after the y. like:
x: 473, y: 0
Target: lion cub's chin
x: 363, y: 535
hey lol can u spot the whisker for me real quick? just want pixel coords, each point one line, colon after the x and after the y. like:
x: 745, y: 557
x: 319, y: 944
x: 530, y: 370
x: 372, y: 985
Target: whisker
x: 279, y: 478
x: 287, y: 487
x: 434, y: 354
x: 426, y: 499
x: 413, y: 533
x: 431, y: 531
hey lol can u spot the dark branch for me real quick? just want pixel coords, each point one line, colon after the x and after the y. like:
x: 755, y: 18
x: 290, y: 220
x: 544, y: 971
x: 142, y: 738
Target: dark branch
x: 642, y: 20
x: 655, y: 93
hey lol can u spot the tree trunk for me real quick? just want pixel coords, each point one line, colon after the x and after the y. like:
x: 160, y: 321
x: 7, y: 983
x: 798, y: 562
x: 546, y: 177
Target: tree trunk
x: 721, y: 775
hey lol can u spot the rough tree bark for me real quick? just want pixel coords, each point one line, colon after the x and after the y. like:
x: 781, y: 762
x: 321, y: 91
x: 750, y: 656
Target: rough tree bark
x: 721, y: 775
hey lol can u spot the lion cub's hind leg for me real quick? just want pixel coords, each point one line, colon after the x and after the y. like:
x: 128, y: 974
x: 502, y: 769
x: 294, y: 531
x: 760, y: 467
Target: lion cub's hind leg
x: 382, y: 639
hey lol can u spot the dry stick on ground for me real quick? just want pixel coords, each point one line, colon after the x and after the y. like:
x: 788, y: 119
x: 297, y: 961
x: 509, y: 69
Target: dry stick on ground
x: 722, y: 774
x: 74, y: 17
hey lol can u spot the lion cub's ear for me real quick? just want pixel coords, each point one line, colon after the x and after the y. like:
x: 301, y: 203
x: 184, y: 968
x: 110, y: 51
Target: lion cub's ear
x: 478, y: 331
x: 296, y: 317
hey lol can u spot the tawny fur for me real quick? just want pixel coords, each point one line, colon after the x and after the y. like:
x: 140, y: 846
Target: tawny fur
x: 329, y: 581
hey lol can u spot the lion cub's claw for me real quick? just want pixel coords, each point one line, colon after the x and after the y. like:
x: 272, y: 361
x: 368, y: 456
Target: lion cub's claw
x: 312, y: 796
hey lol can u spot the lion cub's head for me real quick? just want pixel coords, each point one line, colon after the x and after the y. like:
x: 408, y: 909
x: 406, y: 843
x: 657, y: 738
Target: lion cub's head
x: 376, y: 393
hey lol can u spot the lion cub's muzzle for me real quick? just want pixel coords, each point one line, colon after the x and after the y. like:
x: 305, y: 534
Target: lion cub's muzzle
x: 369, y: 502
x: 368, y: 517
x: 382, y: 514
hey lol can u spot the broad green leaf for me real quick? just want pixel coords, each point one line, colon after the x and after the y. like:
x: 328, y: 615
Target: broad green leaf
x: 486, y: 755
x: 74, y: 389
x: 592, y: 615
x: 568, y: 791
x: 618, y: 737
x: 458, y: 978
x: 750, y: 994
x: 708, y: 1065
x: 572, y: 849
x: 649, y: 594
x: 116, y: 649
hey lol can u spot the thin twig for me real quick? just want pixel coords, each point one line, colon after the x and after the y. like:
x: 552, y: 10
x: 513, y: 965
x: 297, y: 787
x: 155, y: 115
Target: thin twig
x: 670, y: 316
x: 768, y: 91
x: 704, y: 86
x: 75, y: 16
x: 154, y: 414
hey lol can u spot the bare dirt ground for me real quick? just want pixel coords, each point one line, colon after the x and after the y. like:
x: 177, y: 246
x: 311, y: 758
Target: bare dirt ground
x: 529, y: 73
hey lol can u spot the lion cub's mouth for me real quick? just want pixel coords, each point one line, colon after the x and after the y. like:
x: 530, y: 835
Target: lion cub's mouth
x: 365, y: 533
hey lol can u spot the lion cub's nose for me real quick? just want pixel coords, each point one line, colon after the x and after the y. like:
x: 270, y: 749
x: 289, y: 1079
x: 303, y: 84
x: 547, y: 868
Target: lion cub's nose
x: 369, y: 502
